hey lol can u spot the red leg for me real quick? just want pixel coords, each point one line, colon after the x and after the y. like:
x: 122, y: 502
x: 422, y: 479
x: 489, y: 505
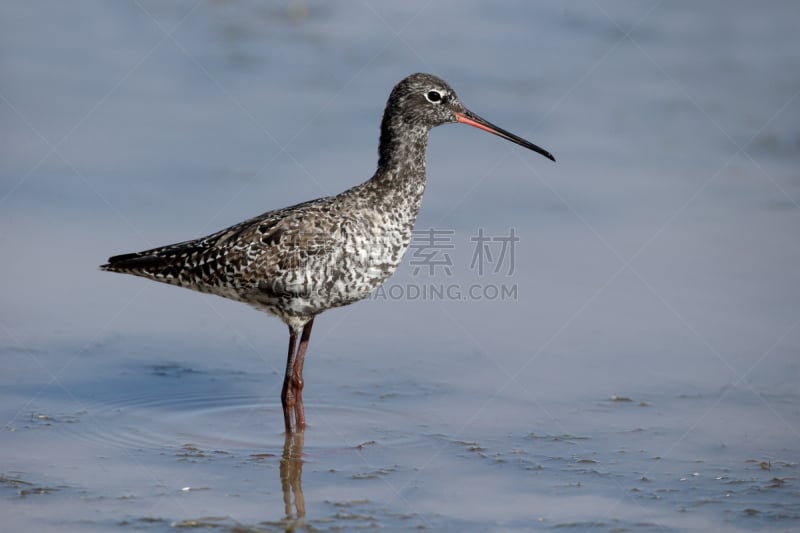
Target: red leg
x: 297, y: 376
x: 288, y: 399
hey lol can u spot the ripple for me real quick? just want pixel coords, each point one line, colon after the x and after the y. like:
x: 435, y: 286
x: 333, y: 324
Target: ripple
x: 231, y: 422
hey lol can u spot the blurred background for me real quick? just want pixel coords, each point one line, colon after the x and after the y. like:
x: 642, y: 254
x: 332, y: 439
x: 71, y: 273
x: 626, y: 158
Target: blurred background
x: 656, y: 289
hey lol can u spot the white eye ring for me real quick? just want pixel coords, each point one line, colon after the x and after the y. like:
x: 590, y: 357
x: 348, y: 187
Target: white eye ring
x: 434, y: 96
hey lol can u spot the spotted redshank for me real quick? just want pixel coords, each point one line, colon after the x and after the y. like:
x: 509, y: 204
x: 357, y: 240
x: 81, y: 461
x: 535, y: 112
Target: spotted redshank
x: 299, y: 261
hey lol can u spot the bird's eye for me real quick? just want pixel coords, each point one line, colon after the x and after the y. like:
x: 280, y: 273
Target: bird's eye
x: 434, y: 97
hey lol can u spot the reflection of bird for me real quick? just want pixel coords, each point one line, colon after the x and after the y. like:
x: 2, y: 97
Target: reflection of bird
x: 299, y: 261
x: 291, y: 471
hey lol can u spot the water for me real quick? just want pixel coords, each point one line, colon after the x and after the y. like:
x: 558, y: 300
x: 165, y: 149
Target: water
x: 634, y: 367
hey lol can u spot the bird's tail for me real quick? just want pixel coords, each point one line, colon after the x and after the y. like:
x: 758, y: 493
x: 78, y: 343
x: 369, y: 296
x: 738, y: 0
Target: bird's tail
x: 166, y: 264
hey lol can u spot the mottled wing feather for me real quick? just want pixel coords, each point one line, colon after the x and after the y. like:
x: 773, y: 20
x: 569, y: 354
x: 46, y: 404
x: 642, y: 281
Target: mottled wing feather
x: 243, y: 256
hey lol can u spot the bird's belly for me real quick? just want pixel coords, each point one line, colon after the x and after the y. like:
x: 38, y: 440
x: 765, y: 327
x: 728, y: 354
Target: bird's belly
x: 355, y: 273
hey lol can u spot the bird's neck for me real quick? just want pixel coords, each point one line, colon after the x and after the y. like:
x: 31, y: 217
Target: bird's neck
x: 394, y: 193
x: 401, y: 156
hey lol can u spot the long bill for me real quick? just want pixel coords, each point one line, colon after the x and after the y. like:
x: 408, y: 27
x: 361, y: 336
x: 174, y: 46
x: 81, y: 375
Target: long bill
x: 470, y: 118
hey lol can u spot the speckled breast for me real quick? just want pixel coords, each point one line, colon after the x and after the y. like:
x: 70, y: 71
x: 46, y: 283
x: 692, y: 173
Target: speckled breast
x: 339, y: 267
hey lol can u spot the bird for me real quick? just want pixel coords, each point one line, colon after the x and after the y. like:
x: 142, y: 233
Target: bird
x: 299, y: 261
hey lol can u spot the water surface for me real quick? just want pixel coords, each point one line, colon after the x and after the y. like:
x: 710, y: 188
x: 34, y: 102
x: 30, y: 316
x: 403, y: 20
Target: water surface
x: 640, y: 372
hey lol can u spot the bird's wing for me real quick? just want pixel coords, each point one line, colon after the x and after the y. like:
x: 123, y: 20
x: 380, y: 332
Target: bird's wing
x: 241, y: 255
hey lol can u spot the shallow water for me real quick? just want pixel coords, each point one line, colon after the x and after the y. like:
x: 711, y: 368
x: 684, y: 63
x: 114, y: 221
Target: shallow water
x: 640, y: 372
x: 162, y: 446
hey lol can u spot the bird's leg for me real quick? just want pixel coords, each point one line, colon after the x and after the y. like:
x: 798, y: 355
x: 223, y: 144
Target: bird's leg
x: 297, y: 376
x: 288, y: 399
